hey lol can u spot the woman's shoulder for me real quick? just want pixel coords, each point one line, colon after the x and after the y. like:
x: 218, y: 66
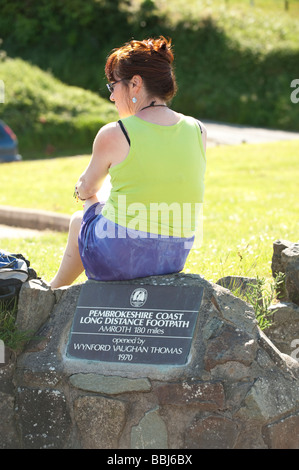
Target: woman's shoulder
x: 110, y: 133
x: 110, y: 143
x: 201, y: 126
x: 108, y: 130
x: 194, y: 120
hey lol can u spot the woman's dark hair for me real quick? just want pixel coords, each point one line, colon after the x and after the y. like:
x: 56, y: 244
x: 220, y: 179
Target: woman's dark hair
x: 151, y: 59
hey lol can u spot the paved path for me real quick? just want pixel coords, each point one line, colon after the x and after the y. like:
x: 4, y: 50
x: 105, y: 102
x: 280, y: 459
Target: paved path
x: 16, y: 222
x: 17, y: 232
x: 218, y: 134
x: 227, y: 134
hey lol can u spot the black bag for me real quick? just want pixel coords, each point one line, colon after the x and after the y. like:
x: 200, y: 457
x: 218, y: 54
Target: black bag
x: 14, y: 270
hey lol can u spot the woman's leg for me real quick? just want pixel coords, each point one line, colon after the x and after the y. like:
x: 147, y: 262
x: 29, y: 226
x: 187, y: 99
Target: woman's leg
x: 71, y: 265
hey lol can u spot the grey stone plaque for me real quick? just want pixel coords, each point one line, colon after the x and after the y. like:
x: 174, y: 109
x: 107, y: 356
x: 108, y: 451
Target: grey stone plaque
x: 128, y: 323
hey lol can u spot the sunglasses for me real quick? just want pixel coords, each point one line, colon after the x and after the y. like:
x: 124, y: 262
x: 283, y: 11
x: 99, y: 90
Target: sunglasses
x: 110, y: 86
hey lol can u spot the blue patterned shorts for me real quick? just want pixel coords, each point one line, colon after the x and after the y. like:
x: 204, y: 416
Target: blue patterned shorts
x: 111, y: 252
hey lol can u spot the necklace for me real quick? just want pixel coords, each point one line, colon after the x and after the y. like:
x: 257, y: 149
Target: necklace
x: 153, y: 105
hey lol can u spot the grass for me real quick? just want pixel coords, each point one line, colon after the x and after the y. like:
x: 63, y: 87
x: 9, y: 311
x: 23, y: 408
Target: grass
x: 264, y: 27
x: 237, y: 9
x: 44, y: 252
x: 268, y: 6
x: 251, y: 201
x: 9, y: 334
x: 48, y: 185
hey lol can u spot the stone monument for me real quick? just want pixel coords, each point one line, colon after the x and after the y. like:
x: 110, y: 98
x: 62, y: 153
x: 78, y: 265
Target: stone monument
x: 200, y: 375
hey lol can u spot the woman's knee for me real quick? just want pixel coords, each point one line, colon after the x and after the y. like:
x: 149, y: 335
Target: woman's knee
x: 75, y: 222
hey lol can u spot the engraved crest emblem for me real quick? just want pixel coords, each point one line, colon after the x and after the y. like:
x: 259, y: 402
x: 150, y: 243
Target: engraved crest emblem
x: 138, y: 297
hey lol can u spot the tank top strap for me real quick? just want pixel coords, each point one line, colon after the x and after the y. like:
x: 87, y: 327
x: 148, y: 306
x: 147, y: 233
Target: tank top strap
x: 124, y: 131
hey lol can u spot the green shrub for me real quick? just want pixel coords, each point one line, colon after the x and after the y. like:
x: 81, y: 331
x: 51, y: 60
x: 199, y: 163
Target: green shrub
x: 48, y: 116
x: 233, y: 64
x: 261, y: 295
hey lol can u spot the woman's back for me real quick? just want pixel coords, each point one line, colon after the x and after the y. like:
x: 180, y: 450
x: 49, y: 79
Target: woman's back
x: 162, y: 174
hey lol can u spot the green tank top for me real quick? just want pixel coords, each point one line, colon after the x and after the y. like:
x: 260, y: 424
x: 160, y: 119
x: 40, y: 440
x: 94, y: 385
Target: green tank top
x: 159, y: 187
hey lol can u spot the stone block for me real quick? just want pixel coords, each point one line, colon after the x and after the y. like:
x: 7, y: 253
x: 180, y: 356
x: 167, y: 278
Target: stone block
x: 292, y: 283
x: 277, y: 264
x: 109, y: 385
x: 284, y: 329
x: 283, y: 434
x: 230, y: 345
x: 250, y: 436
x: 212, y: 432
x: 286, y: 260
x: 7, y: 370
x: 290, y: 255
x: 231, y: 371
x: 100, y: 421
x: 239, y: 285
x: 234, y: 311
x: 204, y: 395
x: 36, y: 301
x: 9, y: 438
x: 150, y: 433
x: 44, y: 419
x: 290, y: 259
x: 268, y: 398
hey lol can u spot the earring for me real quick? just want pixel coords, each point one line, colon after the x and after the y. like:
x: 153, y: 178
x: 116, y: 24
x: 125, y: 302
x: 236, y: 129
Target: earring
x: 134, y: 99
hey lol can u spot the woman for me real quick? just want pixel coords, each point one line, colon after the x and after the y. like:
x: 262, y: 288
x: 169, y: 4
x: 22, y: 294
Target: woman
x: 156, y: 160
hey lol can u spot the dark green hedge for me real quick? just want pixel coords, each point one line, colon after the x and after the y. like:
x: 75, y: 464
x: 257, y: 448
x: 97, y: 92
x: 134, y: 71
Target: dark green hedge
x: 218, y: 79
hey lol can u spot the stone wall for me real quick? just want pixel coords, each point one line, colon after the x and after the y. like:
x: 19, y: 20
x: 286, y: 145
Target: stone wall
x: 237, y: 389
x: 284, y: 331
x: 285, y: 260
